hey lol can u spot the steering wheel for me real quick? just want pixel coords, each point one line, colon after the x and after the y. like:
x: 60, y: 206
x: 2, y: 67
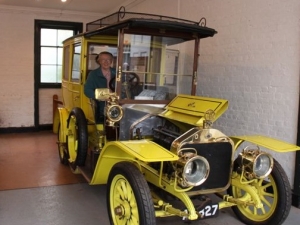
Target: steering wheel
x: 129, y: 82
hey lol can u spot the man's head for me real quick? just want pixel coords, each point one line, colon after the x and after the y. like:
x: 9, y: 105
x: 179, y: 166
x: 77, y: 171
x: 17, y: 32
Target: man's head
x: 104, y: 59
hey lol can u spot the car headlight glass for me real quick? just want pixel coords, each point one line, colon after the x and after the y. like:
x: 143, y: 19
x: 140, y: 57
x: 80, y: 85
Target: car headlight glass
x: 195, y: 171
x: 256, y: 163
x: 262, y: 165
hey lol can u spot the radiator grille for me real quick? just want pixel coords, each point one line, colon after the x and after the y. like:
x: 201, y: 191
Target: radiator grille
x: 219, y: 156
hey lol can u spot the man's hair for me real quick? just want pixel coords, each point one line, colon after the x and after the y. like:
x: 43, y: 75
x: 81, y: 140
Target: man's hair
x: 103, y: 53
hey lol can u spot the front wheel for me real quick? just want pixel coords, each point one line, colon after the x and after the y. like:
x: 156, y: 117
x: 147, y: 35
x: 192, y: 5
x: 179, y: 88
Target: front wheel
x: 129, y: 200
x: 275, y: 194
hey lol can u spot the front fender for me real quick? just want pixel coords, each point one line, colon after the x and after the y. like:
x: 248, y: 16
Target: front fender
x: 137, y: 151
x: 267, y: 142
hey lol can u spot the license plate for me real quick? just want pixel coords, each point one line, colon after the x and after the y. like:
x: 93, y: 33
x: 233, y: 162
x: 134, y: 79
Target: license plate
x: 211, y: 210
x: 206, y: 211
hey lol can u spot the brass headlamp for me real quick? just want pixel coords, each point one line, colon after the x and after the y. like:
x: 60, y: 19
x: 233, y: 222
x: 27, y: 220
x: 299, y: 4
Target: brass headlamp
x: 114, y: 112
x: 256, y: 163
x: 192, y: 169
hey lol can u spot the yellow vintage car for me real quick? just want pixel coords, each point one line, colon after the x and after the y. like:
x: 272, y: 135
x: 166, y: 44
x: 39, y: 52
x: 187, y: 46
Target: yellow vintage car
x: 157, y: 150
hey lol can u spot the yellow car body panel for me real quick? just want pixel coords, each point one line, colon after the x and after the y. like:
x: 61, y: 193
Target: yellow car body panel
x: 267, y: 142
x: 136, y: 151
x: 191, y: 109
x: 147, y: 151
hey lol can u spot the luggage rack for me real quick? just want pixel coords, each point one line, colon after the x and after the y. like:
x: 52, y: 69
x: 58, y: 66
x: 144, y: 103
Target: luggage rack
x: 123, y: 15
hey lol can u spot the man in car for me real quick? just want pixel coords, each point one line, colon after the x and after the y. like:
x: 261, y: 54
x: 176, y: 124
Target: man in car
x: 100, y: 78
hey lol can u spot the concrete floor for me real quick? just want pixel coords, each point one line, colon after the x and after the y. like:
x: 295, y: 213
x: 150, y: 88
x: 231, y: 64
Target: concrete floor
x: 44, y: 192
x: 77, y: 204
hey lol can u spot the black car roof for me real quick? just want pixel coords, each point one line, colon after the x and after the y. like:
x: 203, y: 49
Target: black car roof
x: 148, y: 23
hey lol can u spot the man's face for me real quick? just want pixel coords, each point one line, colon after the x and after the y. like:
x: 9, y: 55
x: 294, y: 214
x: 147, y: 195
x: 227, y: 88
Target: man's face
x: 105, y: 61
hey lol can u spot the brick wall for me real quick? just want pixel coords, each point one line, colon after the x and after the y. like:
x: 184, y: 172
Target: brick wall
x: 17, y: 64
x: 253, y: 62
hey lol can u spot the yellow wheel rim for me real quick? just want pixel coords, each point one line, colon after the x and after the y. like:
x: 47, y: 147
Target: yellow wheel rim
x: 123, y: 205
x: 269, y: 200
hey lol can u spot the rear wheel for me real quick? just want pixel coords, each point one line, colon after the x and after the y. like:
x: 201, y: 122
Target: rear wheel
x: 275, y: 194
x: 129, y: 200
x: 77, y: 138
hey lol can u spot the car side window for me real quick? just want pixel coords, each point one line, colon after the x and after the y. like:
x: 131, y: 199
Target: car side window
x: 66, y: 62
x: 76, y: 63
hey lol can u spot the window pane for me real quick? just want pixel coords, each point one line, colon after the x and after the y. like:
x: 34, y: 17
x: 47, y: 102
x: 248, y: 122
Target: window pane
x: 59, y: 74
x: 48, y: 74
x: 59, y: 56
x: 48, y: 37
x: 76, y: 63
x: 77, y: 49
x: 48, y: 55
x: 159, y: 63
x: 62, y: 35
x: 52, y: 56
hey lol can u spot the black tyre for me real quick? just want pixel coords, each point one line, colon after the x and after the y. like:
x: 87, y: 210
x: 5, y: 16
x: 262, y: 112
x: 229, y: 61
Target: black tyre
x: 62, y: 148
x: 77, y: 138
x: 128, y: 196
x: 275, y: 194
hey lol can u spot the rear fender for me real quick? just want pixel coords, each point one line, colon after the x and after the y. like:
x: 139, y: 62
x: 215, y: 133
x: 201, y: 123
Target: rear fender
x: 136, y: 151
x: 267, y: 142
x: 60, y: 119
x: 55, y: 121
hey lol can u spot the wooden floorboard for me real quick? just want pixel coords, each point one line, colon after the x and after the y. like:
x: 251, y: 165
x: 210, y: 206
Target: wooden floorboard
x: 30, y: 160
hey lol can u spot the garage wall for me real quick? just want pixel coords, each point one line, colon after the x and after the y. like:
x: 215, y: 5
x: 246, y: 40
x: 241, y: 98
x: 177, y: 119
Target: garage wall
x: 253, y: 62
x: 17, y: 63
